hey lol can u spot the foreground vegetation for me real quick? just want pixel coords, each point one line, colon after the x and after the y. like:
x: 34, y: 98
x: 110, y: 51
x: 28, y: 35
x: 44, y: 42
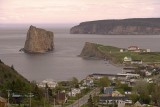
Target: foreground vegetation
x: 14, y: 83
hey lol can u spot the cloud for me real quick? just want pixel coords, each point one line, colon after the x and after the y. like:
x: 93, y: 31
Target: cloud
x: 42, y: 11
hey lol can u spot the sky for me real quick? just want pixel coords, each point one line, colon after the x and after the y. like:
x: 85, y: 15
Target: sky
x: 75, y: 11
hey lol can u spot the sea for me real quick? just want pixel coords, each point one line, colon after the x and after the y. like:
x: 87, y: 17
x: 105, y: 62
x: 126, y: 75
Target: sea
x: 64, y: 63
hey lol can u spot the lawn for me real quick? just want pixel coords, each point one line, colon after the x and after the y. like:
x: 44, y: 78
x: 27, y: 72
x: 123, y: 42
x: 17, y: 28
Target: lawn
x: 114, y: 54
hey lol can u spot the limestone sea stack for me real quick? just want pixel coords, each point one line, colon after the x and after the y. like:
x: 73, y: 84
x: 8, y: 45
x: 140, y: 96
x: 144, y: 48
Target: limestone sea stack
x: 38, y: 41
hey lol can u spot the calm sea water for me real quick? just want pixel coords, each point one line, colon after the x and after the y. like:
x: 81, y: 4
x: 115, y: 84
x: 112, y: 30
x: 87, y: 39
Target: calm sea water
x: 63, y: 63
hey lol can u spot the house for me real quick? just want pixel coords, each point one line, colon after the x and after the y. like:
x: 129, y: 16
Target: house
x: 149, y: 80
x: 3, y: 102
x: 74, y: 92
x: 127, y: 59
x: 50, y: 83
x: 136, y: 62
x: 88, y: 82
x: 61, y: 98
x: 121, y: 103
x: 128, y: 69
x: 147, y: 73
x: 121, y: 50
x: 148, y: 50
x: 127, y: 92
x: 116, y: 94
x: 108, y: 91
x: 112, y: 100
x: 133, y: 48
x: 138, y: 104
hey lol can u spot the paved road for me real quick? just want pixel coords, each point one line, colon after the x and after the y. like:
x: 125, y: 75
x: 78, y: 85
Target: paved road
x: 84, y: 99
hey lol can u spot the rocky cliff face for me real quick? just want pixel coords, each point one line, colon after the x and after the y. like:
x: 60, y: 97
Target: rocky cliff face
x: 38, y: 41
x: 139, y: 26
x: 90, y: 50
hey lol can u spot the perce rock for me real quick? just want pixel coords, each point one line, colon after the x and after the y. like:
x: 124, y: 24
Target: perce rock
x: 38, y: 41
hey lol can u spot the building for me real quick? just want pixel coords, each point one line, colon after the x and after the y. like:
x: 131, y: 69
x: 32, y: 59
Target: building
x: 49, y: 82
x: 108, y: 91
x: 3, y: 102
x: 61, y: 98
x: 148, y: 50
x: 74, y: 92
x: 116, y: 94
x: 112, y: 100
x: 121, y: 50
x: 88, y: 82
x: 133, y: 48
x: 127, y: 59
x: 136, y: 62
x: 129, y: 75
x: 138, y: 104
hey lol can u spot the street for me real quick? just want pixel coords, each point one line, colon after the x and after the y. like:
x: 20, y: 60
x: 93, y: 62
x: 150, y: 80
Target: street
x: 84, y: 99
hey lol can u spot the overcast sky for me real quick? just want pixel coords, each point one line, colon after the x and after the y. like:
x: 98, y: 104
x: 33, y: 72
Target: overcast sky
x: 75, y: 11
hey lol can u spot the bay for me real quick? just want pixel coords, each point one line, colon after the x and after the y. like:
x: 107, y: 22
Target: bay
x: 63, y: 63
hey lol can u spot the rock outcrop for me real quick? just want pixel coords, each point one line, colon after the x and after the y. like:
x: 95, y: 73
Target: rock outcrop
x: 137, y: 26
x: 90, y: 50
x: 38, y: 41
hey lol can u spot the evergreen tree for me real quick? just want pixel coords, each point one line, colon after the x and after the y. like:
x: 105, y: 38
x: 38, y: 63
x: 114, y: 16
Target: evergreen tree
x: 90, y: 102
x: 12, y: 67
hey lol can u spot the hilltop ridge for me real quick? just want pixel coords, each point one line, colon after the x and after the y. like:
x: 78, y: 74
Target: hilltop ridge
x: 134, y: 26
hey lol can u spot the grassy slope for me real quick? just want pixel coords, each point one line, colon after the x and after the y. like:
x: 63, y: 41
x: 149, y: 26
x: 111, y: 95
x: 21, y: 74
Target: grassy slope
x: 117, y: 57
x: 10, y: 79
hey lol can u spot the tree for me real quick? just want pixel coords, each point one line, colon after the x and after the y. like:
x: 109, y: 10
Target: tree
x: 103, y: 82
x: 38, y: 93
x: 156, y: 95
x: 12, y: 67
x: 90, y: 102
x: 74, y: 81
x: 1, y: 61
x: 134, y: 97
x: 141, y: 88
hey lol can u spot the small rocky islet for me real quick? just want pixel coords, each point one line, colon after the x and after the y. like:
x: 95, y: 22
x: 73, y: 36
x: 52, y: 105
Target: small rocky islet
x: 38, y: 41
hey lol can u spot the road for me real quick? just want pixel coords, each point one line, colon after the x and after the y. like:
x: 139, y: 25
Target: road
x: 84, y: 99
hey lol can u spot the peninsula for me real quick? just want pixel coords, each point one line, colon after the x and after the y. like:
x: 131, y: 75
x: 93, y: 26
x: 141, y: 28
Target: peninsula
x: 38, y: 41
x: 133, y: 54
x: 135, y: 26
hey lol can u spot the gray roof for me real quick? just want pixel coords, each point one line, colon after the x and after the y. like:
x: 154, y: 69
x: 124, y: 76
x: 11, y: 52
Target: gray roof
x: 104, y: 98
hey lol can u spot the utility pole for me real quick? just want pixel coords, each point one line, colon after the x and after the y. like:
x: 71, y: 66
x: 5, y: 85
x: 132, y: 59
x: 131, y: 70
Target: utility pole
x: 54, y: 102
x: 47, y: 96
x: 78, y: 100
x: 30, y: 100
x: 44, y: 99
x: 30, y: 95
x: 8, y: 91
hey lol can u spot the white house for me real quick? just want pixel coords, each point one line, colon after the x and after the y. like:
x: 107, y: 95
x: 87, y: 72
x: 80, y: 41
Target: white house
x: 49, y: 82
x: 148, y: 73
x: 148, y: 50
x: 121, y: 50
x: 136, y: 62
x: 74, y: 92
x: 88, y: 82
x: 127, y: 59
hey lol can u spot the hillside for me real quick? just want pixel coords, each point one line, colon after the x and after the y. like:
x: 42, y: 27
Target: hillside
x: 10, y: 79
x: 136, y: 26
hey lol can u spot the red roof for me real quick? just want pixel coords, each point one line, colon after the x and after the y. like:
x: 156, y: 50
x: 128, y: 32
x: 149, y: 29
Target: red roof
x: 133, y: 47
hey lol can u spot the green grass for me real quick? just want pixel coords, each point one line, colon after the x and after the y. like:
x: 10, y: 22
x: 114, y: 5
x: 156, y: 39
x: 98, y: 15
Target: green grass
x: 114, y: 54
